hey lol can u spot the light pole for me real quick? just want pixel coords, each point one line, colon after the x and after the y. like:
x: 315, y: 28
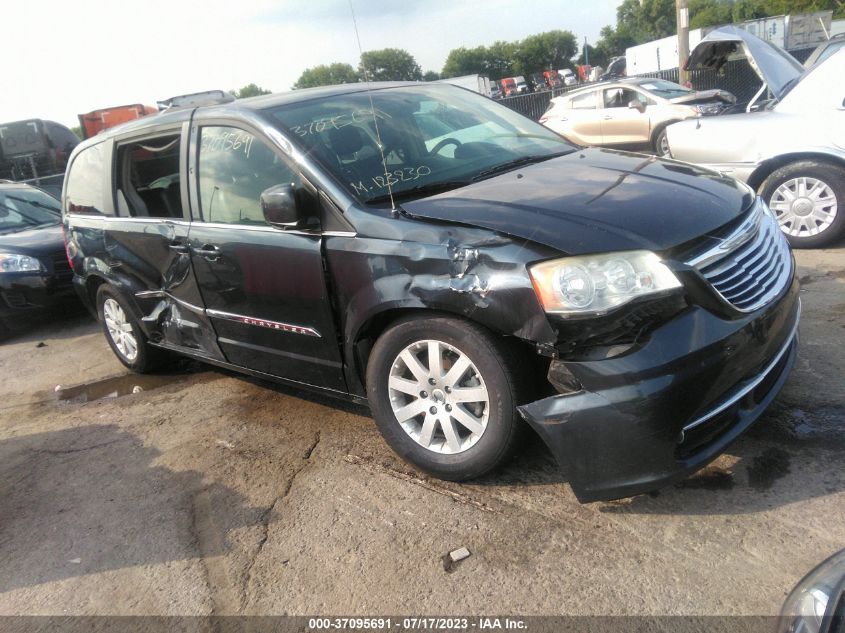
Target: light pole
x: 682, y: 19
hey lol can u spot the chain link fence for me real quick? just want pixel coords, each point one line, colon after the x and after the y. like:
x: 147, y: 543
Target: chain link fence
x: 533, y: 105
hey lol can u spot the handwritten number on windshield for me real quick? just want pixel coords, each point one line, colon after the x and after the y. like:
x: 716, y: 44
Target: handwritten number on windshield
x: 339, y: 121
x: 390, y: 179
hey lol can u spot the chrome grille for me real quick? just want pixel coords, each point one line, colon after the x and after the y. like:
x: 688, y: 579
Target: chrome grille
x: 751, y: 266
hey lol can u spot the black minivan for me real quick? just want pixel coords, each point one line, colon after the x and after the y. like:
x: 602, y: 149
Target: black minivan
x: 455, y: 265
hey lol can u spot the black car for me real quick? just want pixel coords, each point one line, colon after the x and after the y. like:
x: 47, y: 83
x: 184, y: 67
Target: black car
x: 460, y: 276
x: 34, y: 269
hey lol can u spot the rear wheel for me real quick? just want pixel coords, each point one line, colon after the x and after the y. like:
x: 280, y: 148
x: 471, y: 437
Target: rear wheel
x: 123, y: 334
x: 808, y: 199
x: 443, y: 396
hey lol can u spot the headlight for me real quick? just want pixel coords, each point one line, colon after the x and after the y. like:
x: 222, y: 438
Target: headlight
x: 812, y: 602
x: 707, y: 108
x: 11, y: 263
x: 595, y: 284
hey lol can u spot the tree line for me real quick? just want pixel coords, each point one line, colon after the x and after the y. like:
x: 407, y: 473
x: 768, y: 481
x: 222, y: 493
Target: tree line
x: 552, y: 49
x: 637, y: 22
x: 387, y: 64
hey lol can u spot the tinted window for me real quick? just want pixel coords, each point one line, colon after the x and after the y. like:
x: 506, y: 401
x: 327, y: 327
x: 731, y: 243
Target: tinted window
x: 621, y: 97
x: 586, y: 101
x: 26, y: 208
x: 830, y: 50
x: 148, y: 177
x: 235, y: 167
x: 85, y: 182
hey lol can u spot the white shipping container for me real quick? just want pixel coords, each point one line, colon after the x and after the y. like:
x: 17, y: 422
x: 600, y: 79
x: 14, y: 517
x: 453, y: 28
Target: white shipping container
x: 808, y: 30
x: 658, y: 55
x: 769, y: 29
x: 476, y: 83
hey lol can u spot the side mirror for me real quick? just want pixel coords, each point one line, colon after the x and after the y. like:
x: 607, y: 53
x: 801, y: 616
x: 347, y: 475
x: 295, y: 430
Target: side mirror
x: 278, y: 204
x: 637, y: 105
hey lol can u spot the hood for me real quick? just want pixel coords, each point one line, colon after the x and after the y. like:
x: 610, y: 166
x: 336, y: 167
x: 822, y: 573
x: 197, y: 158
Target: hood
x: 774, y: 65
x: 813, y: 93
x: 595, y: 200
x: 35, y: 242
x: 705, y: 96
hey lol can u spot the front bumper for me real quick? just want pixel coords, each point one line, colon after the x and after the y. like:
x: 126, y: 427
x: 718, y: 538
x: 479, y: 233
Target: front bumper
x: 653, y: 416
x: 22, y: 294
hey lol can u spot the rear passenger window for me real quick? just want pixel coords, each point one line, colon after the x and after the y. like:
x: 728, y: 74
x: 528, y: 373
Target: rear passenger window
x: 583, y: 102
x: 235, y: 167
x: 84, y: 192
x: 148, y: 178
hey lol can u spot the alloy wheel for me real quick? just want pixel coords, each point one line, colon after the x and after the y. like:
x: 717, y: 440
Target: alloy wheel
x: 439, y: 396
x: 120, y: 329
x: 663, y: 146
x: 804, y: 206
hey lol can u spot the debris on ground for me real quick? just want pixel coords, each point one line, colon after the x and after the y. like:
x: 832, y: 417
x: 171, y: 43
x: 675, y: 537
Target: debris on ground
x: 454, y: 557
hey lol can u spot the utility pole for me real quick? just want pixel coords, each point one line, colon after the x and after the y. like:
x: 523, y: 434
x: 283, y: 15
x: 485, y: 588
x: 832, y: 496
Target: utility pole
x: 682, y: 19
x: 586, y: 53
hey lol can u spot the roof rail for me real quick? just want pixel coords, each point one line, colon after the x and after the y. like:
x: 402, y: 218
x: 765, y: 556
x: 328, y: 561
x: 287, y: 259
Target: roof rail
x: 196, y: 99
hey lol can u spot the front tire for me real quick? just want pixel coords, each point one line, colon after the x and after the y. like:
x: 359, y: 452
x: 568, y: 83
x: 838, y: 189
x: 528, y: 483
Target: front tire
x: 444, y: 396
x: 123, y: 334
x: 808, y: 199
x: 661, y: 144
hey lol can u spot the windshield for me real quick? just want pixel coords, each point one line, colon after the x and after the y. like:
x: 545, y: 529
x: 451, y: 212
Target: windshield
x: 22, y: 209
x: 431, y: 136
x: 665, y: 89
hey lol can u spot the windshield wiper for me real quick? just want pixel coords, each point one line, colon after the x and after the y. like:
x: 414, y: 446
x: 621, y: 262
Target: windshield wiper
x: 517, y: 162
x: 420, y: 190
x: 35, y: 203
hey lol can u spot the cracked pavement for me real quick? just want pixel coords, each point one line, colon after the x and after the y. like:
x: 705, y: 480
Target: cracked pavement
x: 212, y: 493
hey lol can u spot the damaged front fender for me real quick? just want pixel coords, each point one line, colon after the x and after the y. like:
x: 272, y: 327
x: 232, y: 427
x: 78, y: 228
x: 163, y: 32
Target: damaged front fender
x: 471, y: 273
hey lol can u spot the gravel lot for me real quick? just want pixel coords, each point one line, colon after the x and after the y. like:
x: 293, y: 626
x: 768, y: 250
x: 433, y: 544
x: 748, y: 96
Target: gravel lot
x: 211, y: 493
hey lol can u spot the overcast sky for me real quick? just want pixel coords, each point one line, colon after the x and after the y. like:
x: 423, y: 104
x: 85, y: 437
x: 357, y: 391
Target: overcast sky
x: 65, y: 57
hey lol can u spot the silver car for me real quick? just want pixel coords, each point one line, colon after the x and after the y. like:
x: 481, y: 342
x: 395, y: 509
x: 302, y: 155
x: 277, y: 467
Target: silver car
x: 791, y: 150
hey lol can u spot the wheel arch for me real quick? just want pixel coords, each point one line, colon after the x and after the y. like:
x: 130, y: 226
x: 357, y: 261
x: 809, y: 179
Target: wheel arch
x: 655, y: 132
x: 92, y: 286
x: 361, y: 343
x: 770, y: 165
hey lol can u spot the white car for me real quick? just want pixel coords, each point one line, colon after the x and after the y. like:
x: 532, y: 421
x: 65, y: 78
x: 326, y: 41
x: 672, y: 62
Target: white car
x: 791, y: 151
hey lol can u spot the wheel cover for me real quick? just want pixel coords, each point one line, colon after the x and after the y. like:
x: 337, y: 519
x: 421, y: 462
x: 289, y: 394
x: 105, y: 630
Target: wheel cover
x: 438, y: 396
x: 804, y: 206
x: 120, y: 330
x: 663, y: 144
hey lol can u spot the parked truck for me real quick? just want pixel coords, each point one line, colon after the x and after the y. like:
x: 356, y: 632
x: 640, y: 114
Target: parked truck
x: 96, y: 121
x: 35, y: 151
x: 476, y: 83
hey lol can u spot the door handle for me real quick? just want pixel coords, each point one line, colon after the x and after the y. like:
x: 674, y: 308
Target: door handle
x: 178, y: 246
x: 209, y: 251
x: 607, y: 117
